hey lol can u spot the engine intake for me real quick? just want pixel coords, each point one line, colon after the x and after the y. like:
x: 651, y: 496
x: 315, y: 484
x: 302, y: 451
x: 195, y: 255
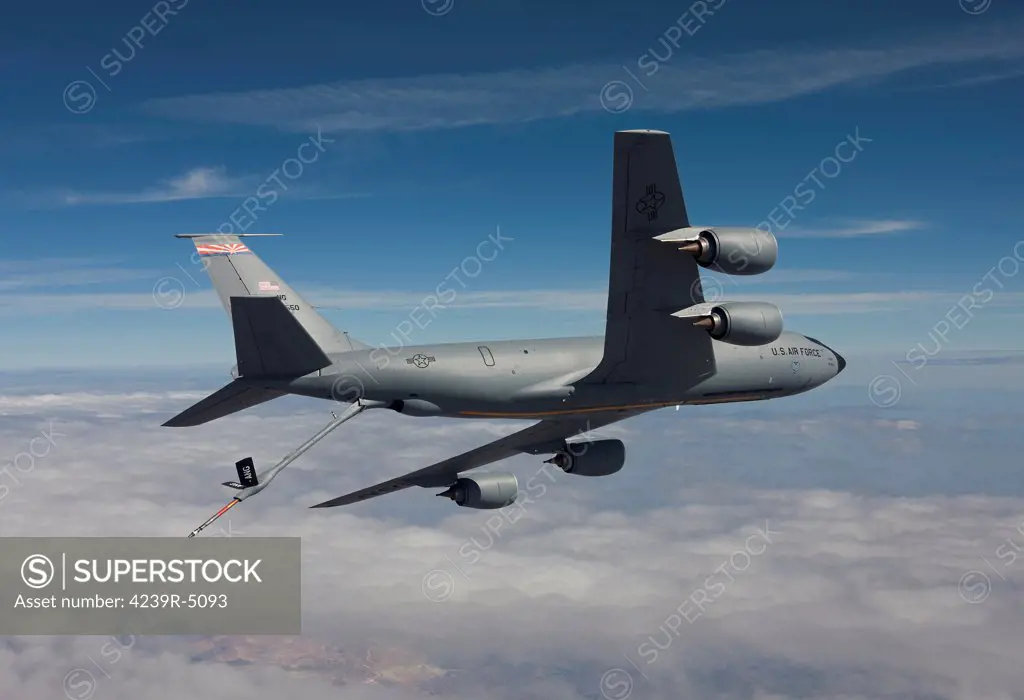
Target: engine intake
x: 739, y: 322
x: 731, y: 251
x: 596, y: 458
x: 484, y: 492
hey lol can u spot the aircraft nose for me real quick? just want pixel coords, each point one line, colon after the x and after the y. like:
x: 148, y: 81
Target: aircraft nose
x: 840, y: 361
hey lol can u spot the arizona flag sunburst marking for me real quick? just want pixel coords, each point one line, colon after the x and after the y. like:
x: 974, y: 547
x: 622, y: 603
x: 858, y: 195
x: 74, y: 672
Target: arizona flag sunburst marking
x: 222, y: 248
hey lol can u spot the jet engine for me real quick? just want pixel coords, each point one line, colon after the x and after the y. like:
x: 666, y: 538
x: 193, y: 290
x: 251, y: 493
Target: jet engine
x: 596, y: 458
x: 484, y: 491
x: 738, y: 322
x: 731, y: 251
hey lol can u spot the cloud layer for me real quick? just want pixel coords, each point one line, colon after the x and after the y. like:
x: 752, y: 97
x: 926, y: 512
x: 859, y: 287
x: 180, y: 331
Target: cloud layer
x: 777, y: 551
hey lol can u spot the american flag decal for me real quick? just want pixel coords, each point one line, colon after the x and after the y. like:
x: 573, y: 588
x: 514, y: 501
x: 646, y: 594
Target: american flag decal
x: 221, y: 248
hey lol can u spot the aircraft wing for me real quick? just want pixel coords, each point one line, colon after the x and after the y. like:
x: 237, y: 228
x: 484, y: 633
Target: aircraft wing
x: 544, y: 437
x: 650, y: 279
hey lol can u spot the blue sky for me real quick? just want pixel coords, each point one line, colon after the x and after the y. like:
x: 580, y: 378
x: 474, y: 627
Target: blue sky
x: 440, y: 122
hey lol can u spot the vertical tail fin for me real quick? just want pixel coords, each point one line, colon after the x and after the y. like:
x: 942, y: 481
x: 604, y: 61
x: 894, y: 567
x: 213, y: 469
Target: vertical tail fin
x: 237, y: 272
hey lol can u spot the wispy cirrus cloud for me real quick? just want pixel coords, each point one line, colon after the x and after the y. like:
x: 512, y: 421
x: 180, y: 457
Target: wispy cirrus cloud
x: 324, y: 298
x: 199, y: 183
x: 857, y: 229
x: 445, y: 101
x: 19, y: 275
x: 569, y: 301
x: 980, y: 79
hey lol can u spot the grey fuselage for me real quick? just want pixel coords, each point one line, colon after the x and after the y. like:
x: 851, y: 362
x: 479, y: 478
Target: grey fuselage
x: 534, y: 379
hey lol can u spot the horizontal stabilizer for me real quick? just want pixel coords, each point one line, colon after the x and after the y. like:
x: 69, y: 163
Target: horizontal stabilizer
x: 236, y: 396
x: 270, y: 341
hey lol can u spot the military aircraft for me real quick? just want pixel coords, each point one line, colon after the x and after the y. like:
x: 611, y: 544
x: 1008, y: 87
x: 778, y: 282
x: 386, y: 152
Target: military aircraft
x: 664, y: 345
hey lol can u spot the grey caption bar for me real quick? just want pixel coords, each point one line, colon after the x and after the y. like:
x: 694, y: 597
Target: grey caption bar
x: 150, y: 585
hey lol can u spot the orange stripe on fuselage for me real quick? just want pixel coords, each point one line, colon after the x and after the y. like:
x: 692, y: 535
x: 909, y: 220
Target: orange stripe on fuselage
x: 602, y: 409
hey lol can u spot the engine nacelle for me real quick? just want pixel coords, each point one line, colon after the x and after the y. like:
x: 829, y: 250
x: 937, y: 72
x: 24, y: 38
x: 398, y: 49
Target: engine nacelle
x: 484, y: 491
x: 738, y: 322
x: 597, y: 458
x: 731, y: 251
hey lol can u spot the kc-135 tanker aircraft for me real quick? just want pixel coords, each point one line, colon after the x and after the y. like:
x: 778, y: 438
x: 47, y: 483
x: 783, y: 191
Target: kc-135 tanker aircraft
x: 664, y: 345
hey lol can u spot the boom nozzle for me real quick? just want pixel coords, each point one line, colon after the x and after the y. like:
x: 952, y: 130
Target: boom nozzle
x: 222, y: 511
